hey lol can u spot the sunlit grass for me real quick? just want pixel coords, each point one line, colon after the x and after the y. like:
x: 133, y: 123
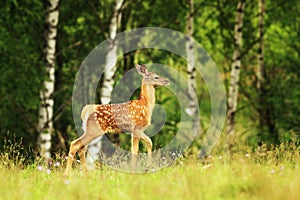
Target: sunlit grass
x: 261, y: 174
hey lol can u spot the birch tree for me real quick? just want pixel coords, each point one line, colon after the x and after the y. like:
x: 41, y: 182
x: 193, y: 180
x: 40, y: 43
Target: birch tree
x: 235, y: 69
x: 108, y: 77
x: 45, y: 125
x: 191, y: 110
x: 191, y: 59
x: 260, y: 69
x: 111, y: 58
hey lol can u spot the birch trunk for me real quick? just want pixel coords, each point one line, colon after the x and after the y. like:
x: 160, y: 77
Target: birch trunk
x: 191, y: 110
x: 260, y: 69
x: 111, y: 58
x: 235, y: 70
x: 108, y: 77
x: 45, y: 125
x: 264, y: 118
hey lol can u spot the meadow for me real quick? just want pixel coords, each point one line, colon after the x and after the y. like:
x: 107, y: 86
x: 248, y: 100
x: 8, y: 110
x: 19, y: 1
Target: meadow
x: 265, y: 173
x: 56, y: 56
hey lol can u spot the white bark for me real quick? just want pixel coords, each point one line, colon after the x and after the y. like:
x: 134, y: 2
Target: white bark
x: 108, y: 80
x: 45, y: 124
x: 111, y: 58
x: 235, y: 68
x: 191, y: 110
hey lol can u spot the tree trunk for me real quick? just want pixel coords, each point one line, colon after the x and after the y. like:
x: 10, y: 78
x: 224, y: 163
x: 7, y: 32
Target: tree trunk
x: 45, y: 125
x: 235, y: 71
x: 191, y: 110
x: 265, y: 110
x: 260, y: 69
x: 191, y: 61
x: 108, y: 78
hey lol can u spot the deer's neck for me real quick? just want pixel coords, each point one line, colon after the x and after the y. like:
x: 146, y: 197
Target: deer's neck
x: 148, y: 95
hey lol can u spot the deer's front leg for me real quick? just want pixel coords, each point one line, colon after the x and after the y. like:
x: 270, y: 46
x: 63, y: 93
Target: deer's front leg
x: 134, y: 150
x: 148, y: 143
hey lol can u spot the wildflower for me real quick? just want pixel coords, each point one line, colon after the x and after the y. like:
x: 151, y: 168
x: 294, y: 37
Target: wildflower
x: 153, y: 170
x: 40, y: 168
x: 247, y: 155
x: 220, y: 157
x: 272, y: 171
x: 67, y: 182
x: 48, y: 171
x: 173, y: 154
x: 57, y: 164
x: 282, y: 168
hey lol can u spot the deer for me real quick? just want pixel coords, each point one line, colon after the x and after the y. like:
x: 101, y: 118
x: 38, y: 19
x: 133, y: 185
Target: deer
x: 133, y: 116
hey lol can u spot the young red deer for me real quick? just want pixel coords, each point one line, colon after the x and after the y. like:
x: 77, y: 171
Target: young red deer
x: 132, y: 116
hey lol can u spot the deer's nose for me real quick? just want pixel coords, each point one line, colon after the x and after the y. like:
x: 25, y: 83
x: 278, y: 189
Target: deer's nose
x: 166, y: 82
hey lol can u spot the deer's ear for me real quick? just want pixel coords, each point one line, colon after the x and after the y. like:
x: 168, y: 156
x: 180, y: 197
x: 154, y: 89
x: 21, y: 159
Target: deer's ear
x: 142, y: 69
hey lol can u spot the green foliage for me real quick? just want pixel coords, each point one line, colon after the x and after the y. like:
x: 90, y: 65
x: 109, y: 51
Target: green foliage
x: 83, y: 25
x: 20, y: 67
x: 274, y: 110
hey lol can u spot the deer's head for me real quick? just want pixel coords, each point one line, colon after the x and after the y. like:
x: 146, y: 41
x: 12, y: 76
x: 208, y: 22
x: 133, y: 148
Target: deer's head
x: 151, y: 78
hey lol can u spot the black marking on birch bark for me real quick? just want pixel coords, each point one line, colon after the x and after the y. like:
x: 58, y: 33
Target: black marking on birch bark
x: 45, y: 105
x: 192, y: 77
x: 260, y: 50
x: 54, y: 9
x: 240, y: 10
x: 191, y: 72
x: 231, y: 117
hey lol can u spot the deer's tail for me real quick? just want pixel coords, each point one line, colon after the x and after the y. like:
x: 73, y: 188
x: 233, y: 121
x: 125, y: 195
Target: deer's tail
x: 86, y: 111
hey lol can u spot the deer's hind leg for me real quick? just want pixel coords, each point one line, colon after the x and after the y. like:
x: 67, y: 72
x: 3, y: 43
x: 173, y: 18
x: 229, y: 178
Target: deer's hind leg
x: 74, y: 147
x: 81, y: 153
x: 92, y: 130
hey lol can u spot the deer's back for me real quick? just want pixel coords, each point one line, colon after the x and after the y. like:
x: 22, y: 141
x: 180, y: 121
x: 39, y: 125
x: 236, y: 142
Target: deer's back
x: 117, y: 118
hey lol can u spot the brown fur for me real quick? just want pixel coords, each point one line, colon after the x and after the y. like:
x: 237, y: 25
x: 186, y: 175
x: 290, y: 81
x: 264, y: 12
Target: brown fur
x: 132, y: 116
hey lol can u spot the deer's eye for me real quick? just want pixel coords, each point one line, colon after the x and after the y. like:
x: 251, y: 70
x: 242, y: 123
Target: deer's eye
x: 156, y: 77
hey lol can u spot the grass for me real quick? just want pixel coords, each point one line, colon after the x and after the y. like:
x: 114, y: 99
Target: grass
x: 261, y: 174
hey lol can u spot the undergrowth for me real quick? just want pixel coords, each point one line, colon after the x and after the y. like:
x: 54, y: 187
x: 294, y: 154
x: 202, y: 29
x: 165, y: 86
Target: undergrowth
x: 263, y: 172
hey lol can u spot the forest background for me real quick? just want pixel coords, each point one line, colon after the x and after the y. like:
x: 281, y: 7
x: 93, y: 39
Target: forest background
x: 268, y: 104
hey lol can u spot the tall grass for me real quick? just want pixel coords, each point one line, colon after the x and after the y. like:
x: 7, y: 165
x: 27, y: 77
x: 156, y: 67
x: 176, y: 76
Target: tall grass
x: 264, y: 173
x: 13, y: 154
